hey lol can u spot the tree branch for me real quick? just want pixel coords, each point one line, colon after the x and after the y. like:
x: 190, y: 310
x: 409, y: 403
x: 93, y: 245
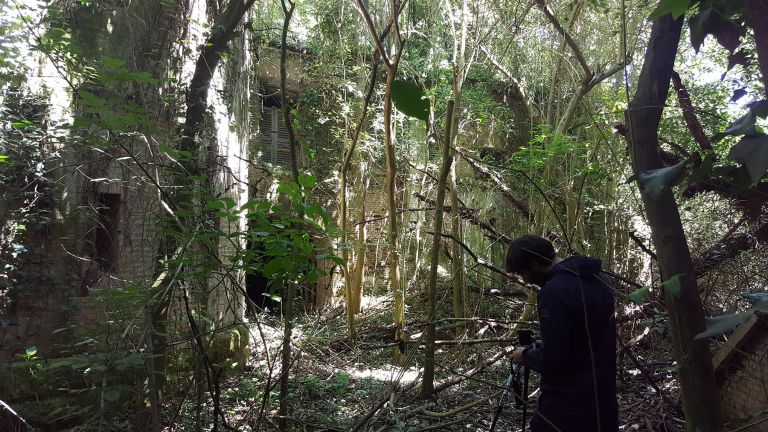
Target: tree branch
x: 481, y: 261
x: 508, y: 75
x: 197, y: 96
x: 568, y: 39
x: 505, y: 190
x: 467, y: 215
x: 689, y: 114
x: 374, y: 34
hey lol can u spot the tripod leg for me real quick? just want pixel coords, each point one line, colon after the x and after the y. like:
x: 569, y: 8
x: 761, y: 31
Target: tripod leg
x: 526, y: 373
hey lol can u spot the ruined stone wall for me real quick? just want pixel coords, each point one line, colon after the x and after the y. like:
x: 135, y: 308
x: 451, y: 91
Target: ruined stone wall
x: 743, y: 379
x: 60, y: 268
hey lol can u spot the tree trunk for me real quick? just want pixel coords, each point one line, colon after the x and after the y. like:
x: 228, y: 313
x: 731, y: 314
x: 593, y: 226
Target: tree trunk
x: 197, y: 105
x: 349, y: 295
x: 361, y: 247
x: 460, y: 69
x: 290, y: 286
x: 686, y: 314
x: 428, y: 382
x: 392, y: 256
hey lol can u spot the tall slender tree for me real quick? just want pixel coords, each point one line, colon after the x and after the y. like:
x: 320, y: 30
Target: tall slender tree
x: 686, y: 313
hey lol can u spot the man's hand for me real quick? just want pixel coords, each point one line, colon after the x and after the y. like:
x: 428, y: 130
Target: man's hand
x: 517, y: 355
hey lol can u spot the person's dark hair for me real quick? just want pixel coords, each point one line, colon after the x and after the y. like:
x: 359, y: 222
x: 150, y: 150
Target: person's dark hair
x: 527, y: 251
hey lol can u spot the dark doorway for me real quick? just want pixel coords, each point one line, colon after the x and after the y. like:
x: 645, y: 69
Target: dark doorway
x: 105, y: 234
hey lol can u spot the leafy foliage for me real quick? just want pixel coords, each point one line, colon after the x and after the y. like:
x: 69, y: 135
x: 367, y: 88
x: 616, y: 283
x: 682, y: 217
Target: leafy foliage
x: 410, y: 99
x: 676, y: 8
x: 656, y: 181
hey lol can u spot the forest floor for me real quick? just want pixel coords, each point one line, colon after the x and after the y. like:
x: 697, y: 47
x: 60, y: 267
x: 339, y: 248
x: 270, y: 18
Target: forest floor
x: 335, y: 387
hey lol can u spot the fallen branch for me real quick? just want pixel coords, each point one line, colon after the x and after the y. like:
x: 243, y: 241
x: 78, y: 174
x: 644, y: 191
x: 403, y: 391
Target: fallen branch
x: 467, y: 215
x: 505, y: 352
x: 482, y: 261
x: 379, y: 405
x: 462, y: 408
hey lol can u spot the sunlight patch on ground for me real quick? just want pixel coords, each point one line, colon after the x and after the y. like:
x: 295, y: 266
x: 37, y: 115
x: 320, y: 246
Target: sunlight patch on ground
x: 372, y: 301
x: 386, y: 374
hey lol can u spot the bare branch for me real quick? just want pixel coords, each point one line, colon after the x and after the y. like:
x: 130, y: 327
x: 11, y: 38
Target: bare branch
x: 689, y: 114
x: 508, y: 75
x: 374, y: 34
x: 568, y: 39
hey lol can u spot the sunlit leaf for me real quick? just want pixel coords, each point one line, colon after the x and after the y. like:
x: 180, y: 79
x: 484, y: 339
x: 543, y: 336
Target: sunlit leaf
x: 675, y: 7
x: 307, y: 181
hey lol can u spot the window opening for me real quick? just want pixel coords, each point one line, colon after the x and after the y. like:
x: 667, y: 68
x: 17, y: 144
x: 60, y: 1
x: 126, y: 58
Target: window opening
x: 274, y: 136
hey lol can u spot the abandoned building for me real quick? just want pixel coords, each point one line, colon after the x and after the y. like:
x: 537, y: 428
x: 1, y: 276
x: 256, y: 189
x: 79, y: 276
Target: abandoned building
x: 741, y: 368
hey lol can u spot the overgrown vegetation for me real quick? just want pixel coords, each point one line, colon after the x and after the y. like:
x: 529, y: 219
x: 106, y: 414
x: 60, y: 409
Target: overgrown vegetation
x: 246, y: 215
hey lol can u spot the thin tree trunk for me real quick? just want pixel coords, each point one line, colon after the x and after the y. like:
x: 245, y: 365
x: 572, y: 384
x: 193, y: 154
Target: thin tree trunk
x: 428, y: 382
x: 361, y: 248
x: 389, y: 145
x: 555, y: 85
x: 686, y: 314
x: 290, y: 288
x: 460, y: 70
x: 343, y: 210
x: 392, y: 256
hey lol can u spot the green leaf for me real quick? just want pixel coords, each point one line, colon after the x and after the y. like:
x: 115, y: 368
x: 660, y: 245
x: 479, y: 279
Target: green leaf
x: 702, y: 172
x: 673, y: 286
x: 744, y: 125
x: 639, y: 296
x: 752, y: 152
x: 276, y: 266
x: 143, y: 78
x: 112, y: 63
x: 91, y: 100
x: 307, y: 181
x: 3, y: 158
x: 409, y: 99
x: 654, y: 182
x: 31, y: 351
x: 720, y: 324
x: 675, y: 7
x: 288, y: 188
x: 760, y: 108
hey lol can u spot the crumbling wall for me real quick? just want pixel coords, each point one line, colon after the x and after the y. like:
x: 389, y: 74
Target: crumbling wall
x: 743, y: 379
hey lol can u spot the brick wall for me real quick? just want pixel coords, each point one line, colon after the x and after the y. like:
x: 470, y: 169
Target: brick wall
x: 743, y: 379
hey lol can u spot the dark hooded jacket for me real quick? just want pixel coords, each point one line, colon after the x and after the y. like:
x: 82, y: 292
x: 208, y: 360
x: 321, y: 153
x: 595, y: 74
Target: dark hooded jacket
x: 576, y: 294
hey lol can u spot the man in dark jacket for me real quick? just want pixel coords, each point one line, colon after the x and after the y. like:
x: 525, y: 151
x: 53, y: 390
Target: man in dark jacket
x: 577, y: 354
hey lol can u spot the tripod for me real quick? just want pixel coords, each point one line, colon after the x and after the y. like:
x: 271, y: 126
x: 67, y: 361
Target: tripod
x: 524, y: 337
